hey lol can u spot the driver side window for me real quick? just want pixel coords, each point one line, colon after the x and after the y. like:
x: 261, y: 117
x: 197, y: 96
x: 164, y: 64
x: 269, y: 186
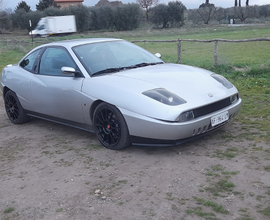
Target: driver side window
x: 53, y: 60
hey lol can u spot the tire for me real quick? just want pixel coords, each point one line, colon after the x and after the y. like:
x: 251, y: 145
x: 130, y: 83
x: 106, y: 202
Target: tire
x: 110, y: 127
x: 14, y: 109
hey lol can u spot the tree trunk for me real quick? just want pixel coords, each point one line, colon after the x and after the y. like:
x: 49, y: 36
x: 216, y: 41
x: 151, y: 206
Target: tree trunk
x: 247, y: 1
x: 235, y: 3
x: 239, y: 3
x: 206, y: 2
x: 147, y: 11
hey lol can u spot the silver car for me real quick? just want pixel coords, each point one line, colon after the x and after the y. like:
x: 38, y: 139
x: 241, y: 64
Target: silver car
x: 118, y: 90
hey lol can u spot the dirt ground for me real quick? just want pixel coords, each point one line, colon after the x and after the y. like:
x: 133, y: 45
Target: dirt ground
x: 49, y: 171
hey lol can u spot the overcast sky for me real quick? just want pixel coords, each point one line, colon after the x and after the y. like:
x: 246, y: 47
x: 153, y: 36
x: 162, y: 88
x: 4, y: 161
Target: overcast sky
x: 188, y: 3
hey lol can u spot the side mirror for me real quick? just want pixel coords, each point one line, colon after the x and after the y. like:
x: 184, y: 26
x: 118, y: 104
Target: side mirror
x: 24, y: 63
x: 69, y: 71
x: 158, y: 55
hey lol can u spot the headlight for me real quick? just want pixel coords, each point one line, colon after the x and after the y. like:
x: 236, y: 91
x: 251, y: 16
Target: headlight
x: 164, y: 96
x: 234, y: 98
x: 32, y: 32
x: 185, y: 116
x: 222, y: 80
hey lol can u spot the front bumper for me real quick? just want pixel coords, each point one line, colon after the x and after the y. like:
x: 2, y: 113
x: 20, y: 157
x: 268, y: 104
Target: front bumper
x: 148, y: 131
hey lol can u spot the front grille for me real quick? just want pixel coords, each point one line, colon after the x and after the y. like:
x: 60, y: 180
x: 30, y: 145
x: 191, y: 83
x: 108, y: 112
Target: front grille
x: 211, y: 108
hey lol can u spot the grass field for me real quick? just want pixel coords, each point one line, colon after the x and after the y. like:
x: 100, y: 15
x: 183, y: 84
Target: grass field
x: 198, y: 54
x: 247, y: 65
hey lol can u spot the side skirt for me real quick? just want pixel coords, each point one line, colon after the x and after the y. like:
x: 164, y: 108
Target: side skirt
x: 73, y: 124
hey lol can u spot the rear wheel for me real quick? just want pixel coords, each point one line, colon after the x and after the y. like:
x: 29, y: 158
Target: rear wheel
x: 110, y: 127
x: 14, y: 110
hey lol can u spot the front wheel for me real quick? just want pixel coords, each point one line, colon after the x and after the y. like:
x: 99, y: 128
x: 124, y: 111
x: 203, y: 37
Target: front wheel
x: 14, y: 109
x: 110, y: 127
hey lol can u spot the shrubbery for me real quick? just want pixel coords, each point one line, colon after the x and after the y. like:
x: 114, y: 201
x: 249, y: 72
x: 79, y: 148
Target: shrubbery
x: 129, y: 16
x: 4, y: 21
x: 121, y: 18
x: 223, y: 15
x: 125, y: 17
x: 82, y: 17
x: 168, y: 15
x: 21, y: 18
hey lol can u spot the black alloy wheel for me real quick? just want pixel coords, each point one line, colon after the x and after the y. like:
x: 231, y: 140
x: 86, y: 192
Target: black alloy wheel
x: 14, y: 110
x: 110, y: 127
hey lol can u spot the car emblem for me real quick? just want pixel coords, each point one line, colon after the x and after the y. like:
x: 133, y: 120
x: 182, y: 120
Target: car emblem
x: 210, y: 95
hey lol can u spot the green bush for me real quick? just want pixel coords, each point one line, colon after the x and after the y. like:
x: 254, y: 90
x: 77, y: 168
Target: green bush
x: 82, y: 14
x: 126, y: 17
x: 23, y: 5
x: 160, y: 16
x: 4, y: 21
x: 168, y: 15
x: 122, y: 18
x: 101, y: 18
x: 176, y: 11
x: 20, y: 19
x: 264, y: 11
x: 53, y: 11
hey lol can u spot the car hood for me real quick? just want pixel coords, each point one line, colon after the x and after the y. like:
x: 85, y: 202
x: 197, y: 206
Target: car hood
x: 194, y: 85
x: 185, y: 81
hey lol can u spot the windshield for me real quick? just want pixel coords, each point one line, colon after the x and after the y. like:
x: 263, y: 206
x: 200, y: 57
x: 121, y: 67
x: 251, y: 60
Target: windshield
x: 113, y: 56
x: 40, y: 25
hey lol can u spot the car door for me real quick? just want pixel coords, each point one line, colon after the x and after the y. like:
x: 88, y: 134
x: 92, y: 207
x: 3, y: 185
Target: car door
x: 22, y: 76
x: 54, y: 94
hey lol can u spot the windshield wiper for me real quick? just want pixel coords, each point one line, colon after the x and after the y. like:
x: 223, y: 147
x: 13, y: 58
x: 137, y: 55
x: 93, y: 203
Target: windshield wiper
x: 118, y: 69
x: 142, y: 65
x: 109, y: 70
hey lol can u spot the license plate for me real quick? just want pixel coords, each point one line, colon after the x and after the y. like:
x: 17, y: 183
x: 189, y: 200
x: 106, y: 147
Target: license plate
x: 218, y: 119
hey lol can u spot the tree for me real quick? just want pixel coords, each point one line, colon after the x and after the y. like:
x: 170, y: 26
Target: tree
x: 43, y: 4
x: 106, y: 17
x: 4, y: 21
x: 94, y: 18
x: 221, y: 14
x: 126, y: 17
x: 242, y: 13
x: 82, y: 14
x: 176, y: 11
x: 23, y: 5
x: 53, y: 11
x: 168, y: 15
x: 264, y: 10
x: 160, y: 15
x: 206, y: 4
x: 207, y: 12
x: 247, y: 2
x: 122, y: 18
x: 235, y: 3
x: 20, y: 19
x: 147, y: 4
x: 3, y: 16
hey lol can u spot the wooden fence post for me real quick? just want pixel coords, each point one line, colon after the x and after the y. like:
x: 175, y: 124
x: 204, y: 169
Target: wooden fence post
x: 144, y: 45
x: 179, y: 51
x: 216, y: 52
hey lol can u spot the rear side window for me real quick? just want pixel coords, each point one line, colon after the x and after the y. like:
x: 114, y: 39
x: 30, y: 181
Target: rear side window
x: 29, y: 61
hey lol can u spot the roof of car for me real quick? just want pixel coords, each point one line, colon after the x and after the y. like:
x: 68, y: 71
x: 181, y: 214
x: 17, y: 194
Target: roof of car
x: 76, y: 42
